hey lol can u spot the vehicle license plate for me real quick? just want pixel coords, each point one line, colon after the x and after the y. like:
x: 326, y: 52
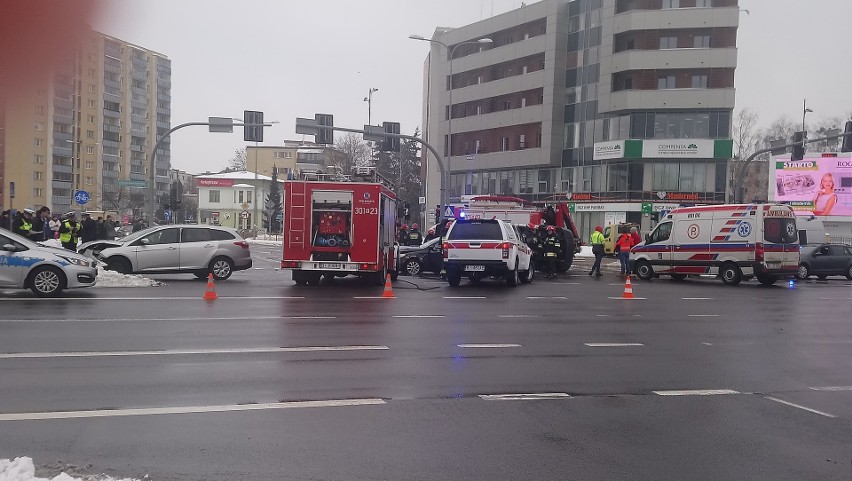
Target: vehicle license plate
x: 474, y: 268
x: 329, y: 265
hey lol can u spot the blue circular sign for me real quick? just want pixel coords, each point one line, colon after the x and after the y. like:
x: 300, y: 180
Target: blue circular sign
x: 81, y: 197
x: 744, y: 229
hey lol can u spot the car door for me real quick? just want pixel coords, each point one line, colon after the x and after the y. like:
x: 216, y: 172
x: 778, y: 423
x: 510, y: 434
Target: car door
x: 12, y: 270
x: 159, y: 250
x: 434, y: 258
x: 659, y: 248
x: 196, y: 247
x: 838, y: 260
x: 821, y: 260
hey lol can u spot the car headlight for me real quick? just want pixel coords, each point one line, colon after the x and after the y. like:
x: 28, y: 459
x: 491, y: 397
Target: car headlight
x: 76, y: 261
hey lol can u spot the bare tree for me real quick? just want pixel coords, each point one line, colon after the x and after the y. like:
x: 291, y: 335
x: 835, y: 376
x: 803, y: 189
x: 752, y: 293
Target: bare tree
x: 355, y: 152
x: 747, y: 135
x: 825, y: 128
x: 124, y: 198
x: 238, y: 162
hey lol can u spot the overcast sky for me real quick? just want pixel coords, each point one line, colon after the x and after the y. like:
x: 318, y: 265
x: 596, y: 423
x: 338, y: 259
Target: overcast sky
x: 294, y: 58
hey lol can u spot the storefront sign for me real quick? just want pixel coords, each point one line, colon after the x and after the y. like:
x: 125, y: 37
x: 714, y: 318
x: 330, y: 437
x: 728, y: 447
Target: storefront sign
x: 578, y: 196
x: 678, y: 149
x: 609, y: 150
x: 664, y: 207
x: 214, y: 182
x: 606, y: 207
x: 680, y: 196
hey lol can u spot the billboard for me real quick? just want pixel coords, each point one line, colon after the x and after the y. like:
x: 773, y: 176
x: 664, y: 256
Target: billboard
x: 819, y: 184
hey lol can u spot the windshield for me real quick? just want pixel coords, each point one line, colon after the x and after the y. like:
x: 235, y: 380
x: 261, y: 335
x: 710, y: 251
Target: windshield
x: 138, y: 234
x: 476, y: 230
x: 780, y: 230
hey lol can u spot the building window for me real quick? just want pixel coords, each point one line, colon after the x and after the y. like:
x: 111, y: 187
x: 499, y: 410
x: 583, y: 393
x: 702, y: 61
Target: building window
x: 91, y: 88
x: 522, y: 142
x: 666, y: 176
x: 90, y: 134
x: 91, y: 104
x: 90, y: 181
x: 704, y: 3
x: 90, y: 118
x: 504, y: 144
x: 38, y: 192
x: 288, y: 155
x: 39, y: 110
x: 38, y: 142
x: 248, y: 197
x: 91, y: 72
x: 628, y: 83
x: 90, y: 149
x: 666, y: 82
x: 214, y: 197
x: 701, y: 41
x: 38, y: 175
x: 671, y: 4
x: 699, y: 81
x: 242, y: 199
x: 668, y: 42
x: 38, y: 159
x: 90, y: 165
x: 478, y: 146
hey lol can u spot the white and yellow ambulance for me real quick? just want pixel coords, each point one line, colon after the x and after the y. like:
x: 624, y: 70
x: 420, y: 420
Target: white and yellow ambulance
x: 734, y: 242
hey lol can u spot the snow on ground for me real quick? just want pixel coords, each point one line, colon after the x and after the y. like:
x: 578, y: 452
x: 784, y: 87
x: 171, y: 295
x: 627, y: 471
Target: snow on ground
x: 585, y: 251
x: 265, y: 240
x: 22, y: 469
x: 53, y: 243
x: 114, y: 279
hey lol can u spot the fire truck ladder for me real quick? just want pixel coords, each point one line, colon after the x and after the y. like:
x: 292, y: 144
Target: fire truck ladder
x: 297, y: 215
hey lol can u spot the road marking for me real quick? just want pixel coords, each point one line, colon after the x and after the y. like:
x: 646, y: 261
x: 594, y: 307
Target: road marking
x: 707, y: 343
x: 188, y: 409
x: 832, y: 388
x: 613, y: 344
x: 524, y: 397
x: 799, y: 406
x: 629, y: 299
x: 194, y: 298
x: 835, y: 298
x: 704, y: 315
x: 602, y: 315
x: 160, y: 319
x: 465, y: 297
x: 546, y: 297
x: 487, y: 346
x: 183, y: 352
x: 419, y: 317
x: 697, y: 392
x: 516, y: 316
x: 697, y: 298
x: 373, y: 297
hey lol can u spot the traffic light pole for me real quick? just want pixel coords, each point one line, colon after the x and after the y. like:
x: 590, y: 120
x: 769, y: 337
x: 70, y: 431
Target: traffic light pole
x: 737, y: 196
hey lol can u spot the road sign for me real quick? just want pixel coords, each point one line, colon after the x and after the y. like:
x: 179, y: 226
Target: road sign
x: 253, y: 133
x: 81, y: 197
x: 449, y: 212
x: 421, y: 200
x: 140, y: 184
x: 167, y: 214
x: 221, y: 124
x: 244, y: 214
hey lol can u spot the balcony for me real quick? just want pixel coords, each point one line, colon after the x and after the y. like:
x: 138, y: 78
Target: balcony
x: 668, y: 99
x: 62, y: 137
x: 504, y: 118
x: 62, y: 169
x: 685, y: 58
x: 516, y: 50
x: 62, y: 151
x: 501, y: 160
x: 680, y: 18
x: 110, y: 174
x: 504, y: 86
x: 60, y: 201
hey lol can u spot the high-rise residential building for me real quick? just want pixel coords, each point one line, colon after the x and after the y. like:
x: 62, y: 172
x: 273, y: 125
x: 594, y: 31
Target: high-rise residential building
x: 90, y: 127
x: 620, y: 107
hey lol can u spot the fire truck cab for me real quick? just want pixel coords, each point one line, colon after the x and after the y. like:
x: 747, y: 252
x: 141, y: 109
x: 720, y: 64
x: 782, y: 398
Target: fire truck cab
x: 336, y: 226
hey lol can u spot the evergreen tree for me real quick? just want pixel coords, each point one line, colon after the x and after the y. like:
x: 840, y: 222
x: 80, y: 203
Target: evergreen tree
x: 273, y: 208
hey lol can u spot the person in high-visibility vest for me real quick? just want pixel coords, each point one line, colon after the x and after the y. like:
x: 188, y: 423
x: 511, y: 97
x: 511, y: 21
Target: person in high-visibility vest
x: 597, y: 241
x: 66, y: 232
x: 23, y: 223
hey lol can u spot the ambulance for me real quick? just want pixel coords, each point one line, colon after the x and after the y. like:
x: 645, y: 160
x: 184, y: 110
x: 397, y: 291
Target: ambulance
x: 733, y: 242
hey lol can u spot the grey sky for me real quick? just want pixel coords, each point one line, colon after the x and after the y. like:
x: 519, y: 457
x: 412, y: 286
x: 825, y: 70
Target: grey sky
x: 293, y: 58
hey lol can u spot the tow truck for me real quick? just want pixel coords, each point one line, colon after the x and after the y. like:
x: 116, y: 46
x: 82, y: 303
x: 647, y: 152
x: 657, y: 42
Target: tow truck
x: 337, y: 225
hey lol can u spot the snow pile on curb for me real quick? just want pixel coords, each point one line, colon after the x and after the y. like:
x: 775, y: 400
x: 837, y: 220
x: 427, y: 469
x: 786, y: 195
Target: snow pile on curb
x: 265, y: 240
x: 585, y: 251
x: 22, y: 469
x: 114, y: 279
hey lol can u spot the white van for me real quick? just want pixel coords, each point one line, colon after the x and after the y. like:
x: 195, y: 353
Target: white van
x: 734, y: 242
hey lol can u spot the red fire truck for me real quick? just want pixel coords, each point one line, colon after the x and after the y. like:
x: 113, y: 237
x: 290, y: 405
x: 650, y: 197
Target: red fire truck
x: 339, y: 226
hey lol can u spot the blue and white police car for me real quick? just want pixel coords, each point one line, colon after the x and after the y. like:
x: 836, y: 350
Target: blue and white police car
x: 44, y: 270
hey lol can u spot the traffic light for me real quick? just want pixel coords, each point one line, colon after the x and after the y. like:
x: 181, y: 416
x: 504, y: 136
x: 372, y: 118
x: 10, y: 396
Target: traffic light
x: 390, y: 144
x: 178, y: 195
x: 846, y: 145
x: 799, y: 148
x: 173, y: 195
x: 253, y: 133
x: 325, y: 136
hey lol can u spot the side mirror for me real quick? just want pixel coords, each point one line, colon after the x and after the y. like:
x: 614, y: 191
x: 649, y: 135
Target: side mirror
x: 647, y: 237
x: 145, y: 241
x: 10, y: 248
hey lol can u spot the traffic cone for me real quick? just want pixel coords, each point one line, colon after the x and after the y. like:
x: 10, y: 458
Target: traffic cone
x: 628, y: 289
x: 388, y: 288
x: 210, y: 294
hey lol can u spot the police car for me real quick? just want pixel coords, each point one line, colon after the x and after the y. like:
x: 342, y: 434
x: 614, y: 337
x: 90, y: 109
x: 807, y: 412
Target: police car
x: 44, y: 270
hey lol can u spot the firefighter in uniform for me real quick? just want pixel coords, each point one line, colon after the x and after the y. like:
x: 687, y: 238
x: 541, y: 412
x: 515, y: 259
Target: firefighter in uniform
x: 415, y: 238
x: 552, y: 247
x: 402, y: 238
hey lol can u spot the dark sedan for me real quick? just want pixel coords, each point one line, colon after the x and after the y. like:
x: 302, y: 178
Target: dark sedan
x: 823, y: 260
x: 427, y: 257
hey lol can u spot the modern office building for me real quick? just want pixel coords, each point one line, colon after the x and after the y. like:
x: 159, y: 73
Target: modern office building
x: 90, y: 127
x: 620, y: 107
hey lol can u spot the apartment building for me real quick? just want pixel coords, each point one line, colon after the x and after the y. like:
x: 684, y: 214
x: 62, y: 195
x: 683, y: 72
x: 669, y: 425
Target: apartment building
x: 291, y: 157
x: 90, y: 127
x: 620, y: 107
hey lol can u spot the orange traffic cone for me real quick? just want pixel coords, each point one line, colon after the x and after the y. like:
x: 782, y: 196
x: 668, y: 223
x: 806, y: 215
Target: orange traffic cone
x: 210, y: 294
x: 628, y: 289
x: 388, y: 288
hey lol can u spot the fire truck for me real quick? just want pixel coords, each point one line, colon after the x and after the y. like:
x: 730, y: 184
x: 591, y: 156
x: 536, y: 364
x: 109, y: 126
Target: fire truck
x: 335, y: 226
x: 521, y: 213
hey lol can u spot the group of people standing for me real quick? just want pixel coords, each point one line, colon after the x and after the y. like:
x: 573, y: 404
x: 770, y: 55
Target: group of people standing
x: 41, y: 225
x: 623, y: 245
x: 409, y: 237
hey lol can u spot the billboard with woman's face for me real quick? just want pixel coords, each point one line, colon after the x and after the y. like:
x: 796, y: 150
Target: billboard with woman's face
x: 819, y: 184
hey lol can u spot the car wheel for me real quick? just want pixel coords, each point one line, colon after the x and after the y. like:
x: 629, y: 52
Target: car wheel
x: 454, y: 279
x: 644, y: 270
x: 803, y: 273
x: 528, y: 274
x: 731, y: 274
x: 222, y: 268
x: 120, y: 265
x: 46, y: 281
x: 678, y: 277
x: 413, y: 267
x: 512, y: 278
x: 849, y: 273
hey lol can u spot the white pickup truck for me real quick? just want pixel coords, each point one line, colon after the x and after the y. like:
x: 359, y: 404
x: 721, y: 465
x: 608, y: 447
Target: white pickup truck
x: 479, y: 248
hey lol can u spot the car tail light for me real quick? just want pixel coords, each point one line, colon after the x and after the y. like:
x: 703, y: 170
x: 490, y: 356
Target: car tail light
x: 243, y: 244
x: 505, y: 246
x: 445, y: 247
x: 758, y: 252
x: 289, y: 264
x: 367, y: 267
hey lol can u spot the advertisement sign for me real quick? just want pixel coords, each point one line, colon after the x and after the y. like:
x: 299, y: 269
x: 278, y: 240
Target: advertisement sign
x: 201, y: 182
x: 678, y: 149
x: 814, y: 185
x: 609, y: 150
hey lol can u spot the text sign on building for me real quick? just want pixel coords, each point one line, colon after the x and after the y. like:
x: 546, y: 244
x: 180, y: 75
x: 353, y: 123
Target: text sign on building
x: 678, y: 149
x: 609, y: 150
x: 214, y: 182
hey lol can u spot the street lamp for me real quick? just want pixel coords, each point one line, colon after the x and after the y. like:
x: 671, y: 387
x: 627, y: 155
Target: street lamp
x: 451, y: 51
x: 369, y: 100
x: 805, y: 112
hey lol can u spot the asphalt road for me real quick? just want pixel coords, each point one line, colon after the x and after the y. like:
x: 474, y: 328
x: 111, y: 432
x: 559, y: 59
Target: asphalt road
x: 558, y: 380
